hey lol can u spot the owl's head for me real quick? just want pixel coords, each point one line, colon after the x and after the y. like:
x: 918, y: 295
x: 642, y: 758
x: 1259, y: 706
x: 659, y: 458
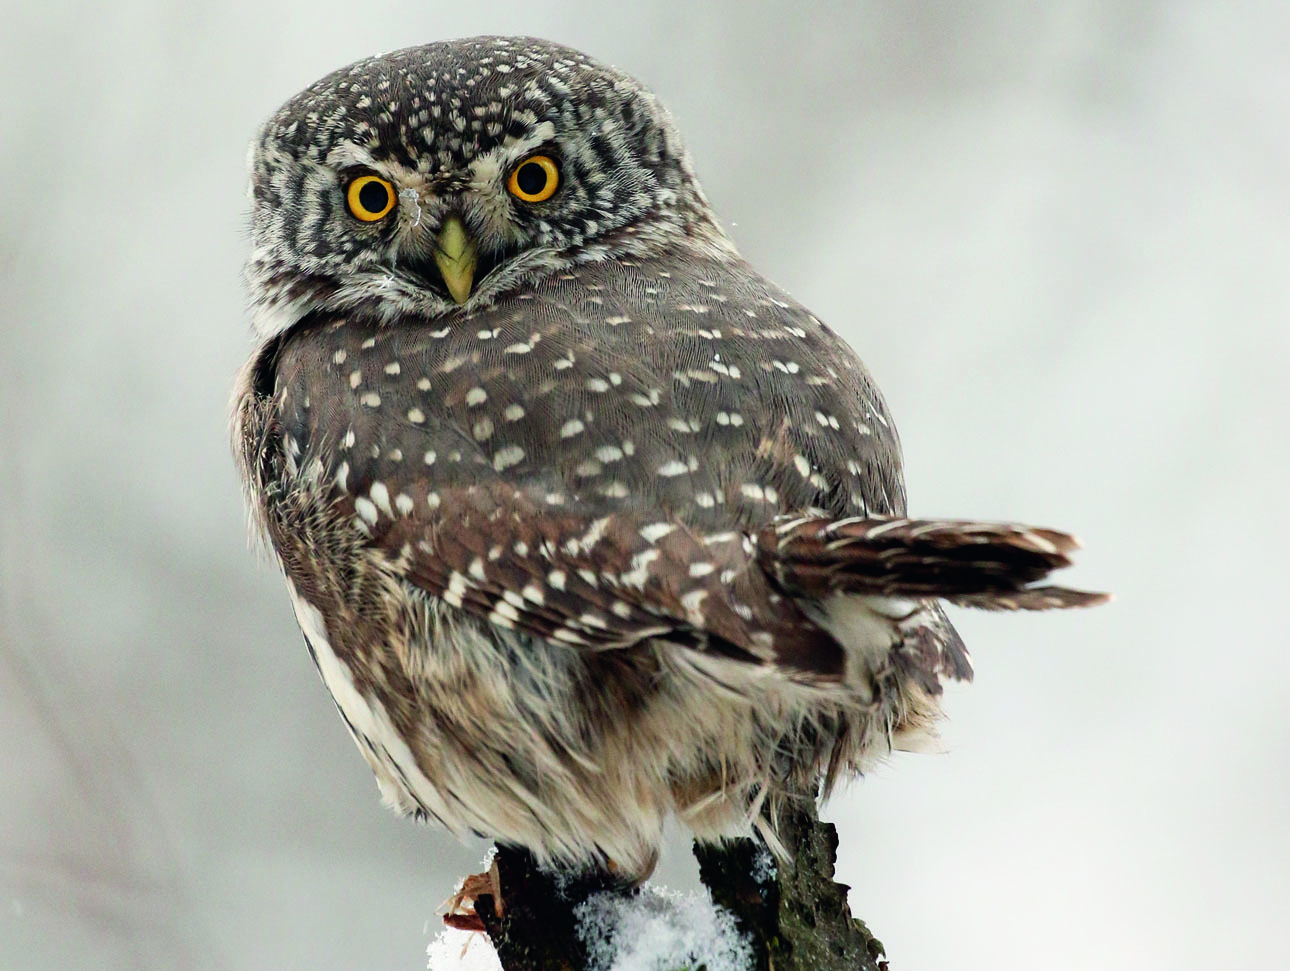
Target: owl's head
x: 440, y: 176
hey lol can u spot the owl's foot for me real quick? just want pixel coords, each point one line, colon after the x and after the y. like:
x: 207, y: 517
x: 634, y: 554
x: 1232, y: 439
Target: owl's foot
x: 459, y: 909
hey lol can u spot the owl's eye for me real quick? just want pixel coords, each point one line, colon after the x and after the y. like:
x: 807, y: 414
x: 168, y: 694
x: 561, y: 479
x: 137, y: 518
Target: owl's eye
x: 535, y: 179
x: 370, y: 198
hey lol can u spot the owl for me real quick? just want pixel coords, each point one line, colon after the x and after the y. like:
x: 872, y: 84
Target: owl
x: 585, y: 522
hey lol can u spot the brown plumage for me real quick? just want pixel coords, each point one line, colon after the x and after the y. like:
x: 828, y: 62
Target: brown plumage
x: 620, y: 536
x: 992, y: 566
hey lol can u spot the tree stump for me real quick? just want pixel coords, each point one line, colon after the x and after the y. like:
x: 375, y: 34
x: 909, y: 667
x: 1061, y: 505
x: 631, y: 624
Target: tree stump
x: 793, y: 914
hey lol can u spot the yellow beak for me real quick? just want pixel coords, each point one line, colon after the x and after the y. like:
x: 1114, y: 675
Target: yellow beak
x: 456, y: 257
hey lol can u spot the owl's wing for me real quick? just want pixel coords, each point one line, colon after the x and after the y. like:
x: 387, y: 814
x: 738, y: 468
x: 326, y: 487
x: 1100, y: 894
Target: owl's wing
x: 562, y: 573
x: 344, y: 477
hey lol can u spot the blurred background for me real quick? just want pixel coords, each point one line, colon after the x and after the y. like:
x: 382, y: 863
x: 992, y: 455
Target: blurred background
x: 1059, y: 234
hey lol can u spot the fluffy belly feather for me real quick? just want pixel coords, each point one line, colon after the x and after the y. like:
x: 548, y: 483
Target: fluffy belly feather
x: 714, y: 741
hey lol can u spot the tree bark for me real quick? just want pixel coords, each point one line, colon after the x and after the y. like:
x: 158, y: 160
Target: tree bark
x: 793, y: 913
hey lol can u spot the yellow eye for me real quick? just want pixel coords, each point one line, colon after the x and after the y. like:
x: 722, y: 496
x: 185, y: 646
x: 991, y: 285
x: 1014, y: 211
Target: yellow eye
x: 370, y: 198
x: 534, y: 180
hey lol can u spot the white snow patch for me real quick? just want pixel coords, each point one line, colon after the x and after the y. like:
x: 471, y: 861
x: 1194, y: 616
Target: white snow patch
x: 455, y: 950
x: 661, y: 930
x: 764, y: 869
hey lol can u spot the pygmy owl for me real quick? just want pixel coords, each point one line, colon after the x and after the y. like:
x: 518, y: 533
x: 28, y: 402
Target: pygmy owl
x: 584, y: 520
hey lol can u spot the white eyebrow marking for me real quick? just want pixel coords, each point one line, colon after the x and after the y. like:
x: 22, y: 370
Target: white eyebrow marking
x: 409, y: 200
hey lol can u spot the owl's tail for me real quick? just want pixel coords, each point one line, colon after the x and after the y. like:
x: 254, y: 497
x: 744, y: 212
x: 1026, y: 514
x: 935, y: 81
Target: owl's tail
x: 989, y: 565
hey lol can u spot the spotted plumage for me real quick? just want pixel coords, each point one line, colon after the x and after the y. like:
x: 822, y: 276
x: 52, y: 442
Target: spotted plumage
x: 585, y: 521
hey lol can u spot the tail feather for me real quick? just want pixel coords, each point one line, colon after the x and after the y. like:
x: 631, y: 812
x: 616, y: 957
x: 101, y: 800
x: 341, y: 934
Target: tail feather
x: 989, y: 565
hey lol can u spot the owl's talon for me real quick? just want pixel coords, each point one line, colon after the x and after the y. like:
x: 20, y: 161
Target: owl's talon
x: 460, y: 907
x: 465, y: 922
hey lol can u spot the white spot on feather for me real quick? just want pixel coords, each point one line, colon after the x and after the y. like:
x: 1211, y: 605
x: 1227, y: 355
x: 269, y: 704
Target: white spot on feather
x: 504, y: 615
x: 508, y: 456
x: 655, y: 531
x: 672, y: 468
x: 381, y: 496
x: 692, y: 603
x: 457, y: 586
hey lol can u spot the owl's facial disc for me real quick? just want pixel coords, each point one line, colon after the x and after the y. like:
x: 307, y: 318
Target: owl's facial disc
x: 446, y: 175
x: 459, y: 236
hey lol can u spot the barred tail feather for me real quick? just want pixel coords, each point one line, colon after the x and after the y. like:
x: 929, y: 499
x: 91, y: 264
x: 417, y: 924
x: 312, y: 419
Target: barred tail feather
x: 994, y: 566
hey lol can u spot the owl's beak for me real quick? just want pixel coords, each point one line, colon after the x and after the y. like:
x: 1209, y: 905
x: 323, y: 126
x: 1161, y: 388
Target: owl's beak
x: 456, y: 256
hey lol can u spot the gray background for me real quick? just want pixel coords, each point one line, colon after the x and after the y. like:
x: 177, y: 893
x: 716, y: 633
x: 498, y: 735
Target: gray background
x: 1058, y: 233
